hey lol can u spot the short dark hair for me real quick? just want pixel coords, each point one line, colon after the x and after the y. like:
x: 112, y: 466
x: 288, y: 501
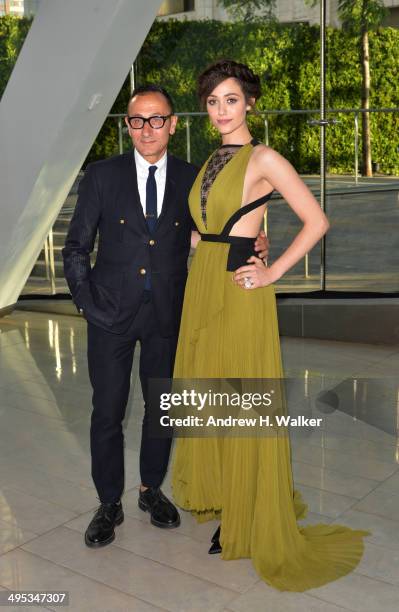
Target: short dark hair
x: 225, y: 69
x: 152, y: 88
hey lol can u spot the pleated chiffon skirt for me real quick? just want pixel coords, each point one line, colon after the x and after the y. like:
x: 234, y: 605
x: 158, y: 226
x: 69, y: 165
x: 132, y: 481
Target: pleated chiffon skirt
x: 227, y: 332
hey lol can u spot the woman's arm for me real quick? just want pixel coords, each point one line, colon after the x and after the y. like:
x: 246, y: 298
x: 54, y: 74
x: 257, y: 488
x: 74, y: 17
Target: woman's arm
x: 278, y: 171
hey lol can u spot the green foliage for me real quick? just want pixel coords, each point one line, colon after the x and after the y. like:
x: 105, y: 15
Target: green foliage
x: 287, y: 60
x: 13, y: 32
x: 356, y: 14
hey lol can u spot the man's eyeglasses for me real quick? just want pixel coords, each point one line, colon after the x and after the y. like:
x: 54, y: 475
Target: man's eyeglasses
x: 156, y: 121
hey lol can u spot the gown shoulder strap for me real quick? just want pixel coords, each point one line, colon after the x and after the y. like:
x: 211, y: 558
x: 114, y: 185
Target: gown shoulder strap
x: 247, y: 207
x: 243, y: 211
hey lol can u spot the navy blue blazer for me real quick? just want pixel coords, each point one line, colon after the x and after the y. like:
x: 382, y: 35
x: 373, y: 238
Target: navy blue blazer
x: 109, y: 205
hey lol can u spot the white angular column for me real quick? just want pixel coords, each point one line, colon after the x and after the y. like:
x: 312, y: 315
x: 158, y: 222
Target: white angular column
x: 55, y: 103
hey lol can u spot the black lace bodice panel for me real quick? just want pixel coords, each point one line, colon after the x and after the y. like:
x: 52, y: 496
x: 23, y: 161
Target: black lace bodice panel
x: 217, y: 162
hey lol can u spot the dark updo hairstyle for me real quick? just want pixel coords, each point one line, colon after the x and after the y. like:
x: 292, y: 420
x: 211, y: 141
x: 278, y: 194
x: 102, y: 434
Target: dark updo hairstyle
x: 226, y: 69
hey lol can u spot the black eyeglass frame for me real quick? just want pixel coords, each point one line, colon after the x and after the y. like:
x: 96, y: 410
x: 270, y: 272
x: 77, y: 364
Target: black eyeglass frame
x: 148, y: 120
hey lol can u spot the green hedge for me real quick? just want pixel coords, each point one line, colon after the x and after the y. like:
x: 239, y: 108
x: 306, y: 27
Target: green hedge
x: 12, y: 35
x: 287, y: 59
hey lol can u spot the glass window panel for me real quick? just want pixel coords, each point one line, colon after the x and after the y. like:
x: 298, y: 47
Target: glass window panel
x: 170, y: 7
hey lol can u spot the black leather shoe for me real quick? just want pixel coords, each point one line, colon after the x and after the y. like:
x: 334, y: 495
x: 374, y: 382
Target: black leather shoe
x: 163, y: 512
x: 101, y: 530
x: 215, y: 548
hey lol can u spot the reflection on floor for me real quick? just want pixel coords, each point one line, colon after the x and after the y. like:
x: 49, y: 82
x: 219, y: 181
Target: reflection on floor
x: 347, y: 471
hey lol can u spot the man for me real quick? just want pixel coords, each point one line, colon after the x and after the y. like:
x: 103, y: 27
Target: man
x: 137, y: 202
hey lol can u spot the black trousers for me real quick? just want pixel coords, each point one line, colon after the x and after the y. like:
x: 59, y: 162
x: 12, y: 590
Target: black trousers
x: 110, y: 358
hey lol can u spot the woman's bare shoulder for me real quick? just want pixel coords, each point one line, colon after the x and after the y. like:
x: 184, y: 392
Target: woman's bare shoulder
x: 271, y: 164
x: 263, y: 153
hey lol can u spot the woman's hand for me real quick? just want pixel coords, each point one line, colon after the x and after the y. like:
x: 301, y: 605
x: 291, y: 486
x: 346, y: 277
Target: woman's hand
x: 195, y: 238
x: 255, y: 275
x: 262, y: 245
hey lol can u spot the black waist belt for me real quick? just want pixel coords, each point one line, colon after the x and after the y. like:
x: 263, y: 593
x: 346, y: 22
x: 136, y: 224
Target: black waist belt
x: 241, y: 249
x: 227, y: 239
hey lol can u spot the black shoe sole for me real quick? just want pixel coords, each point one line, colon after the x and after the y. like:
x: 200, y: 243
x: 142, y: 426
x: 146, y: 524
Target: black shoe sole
x: 156, y: 523
x: 109, y: 540
x: 215, y: 549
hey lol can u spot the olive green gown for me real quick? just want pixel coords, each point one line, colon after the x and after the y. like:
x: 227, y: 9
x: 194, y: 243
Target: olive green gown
x: 229, y: 332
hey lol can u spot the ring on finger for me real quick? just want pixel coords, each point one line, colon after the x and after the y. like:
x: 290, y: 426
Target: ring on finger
x: 248, y: 284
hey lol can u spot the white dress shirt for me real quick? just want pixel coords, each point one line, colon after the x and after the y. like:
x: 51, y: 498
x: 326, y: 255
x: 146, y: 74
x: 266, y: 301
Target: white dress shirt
x: 142, y: 166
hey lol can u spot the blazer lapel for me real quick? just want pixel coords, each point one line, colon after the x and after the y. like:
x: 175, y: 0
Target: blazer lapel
x: 133, y: 200
x: 170, y: 190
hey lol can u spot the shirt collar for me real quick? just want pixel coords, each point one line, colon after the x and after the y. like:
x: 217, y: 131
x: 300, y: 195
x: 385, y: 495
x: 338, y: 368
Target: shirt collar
x: 142, y: 164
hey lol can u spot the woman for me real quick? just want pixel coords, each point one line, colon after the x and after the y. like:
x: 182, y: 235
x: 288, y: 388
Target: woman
x: 229, y: 330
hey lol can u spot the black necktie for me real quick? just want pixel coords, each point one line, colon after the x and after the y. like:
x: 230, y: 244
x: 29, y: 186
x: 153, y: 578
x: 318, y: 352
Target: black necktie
x: 151, y: 212
x: 151, y: 199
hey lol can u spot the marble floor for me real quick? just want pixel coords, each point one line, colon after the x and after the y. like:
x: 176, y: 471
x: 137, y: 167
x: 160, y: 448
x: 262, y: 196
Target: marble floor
x: 347, y: 470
